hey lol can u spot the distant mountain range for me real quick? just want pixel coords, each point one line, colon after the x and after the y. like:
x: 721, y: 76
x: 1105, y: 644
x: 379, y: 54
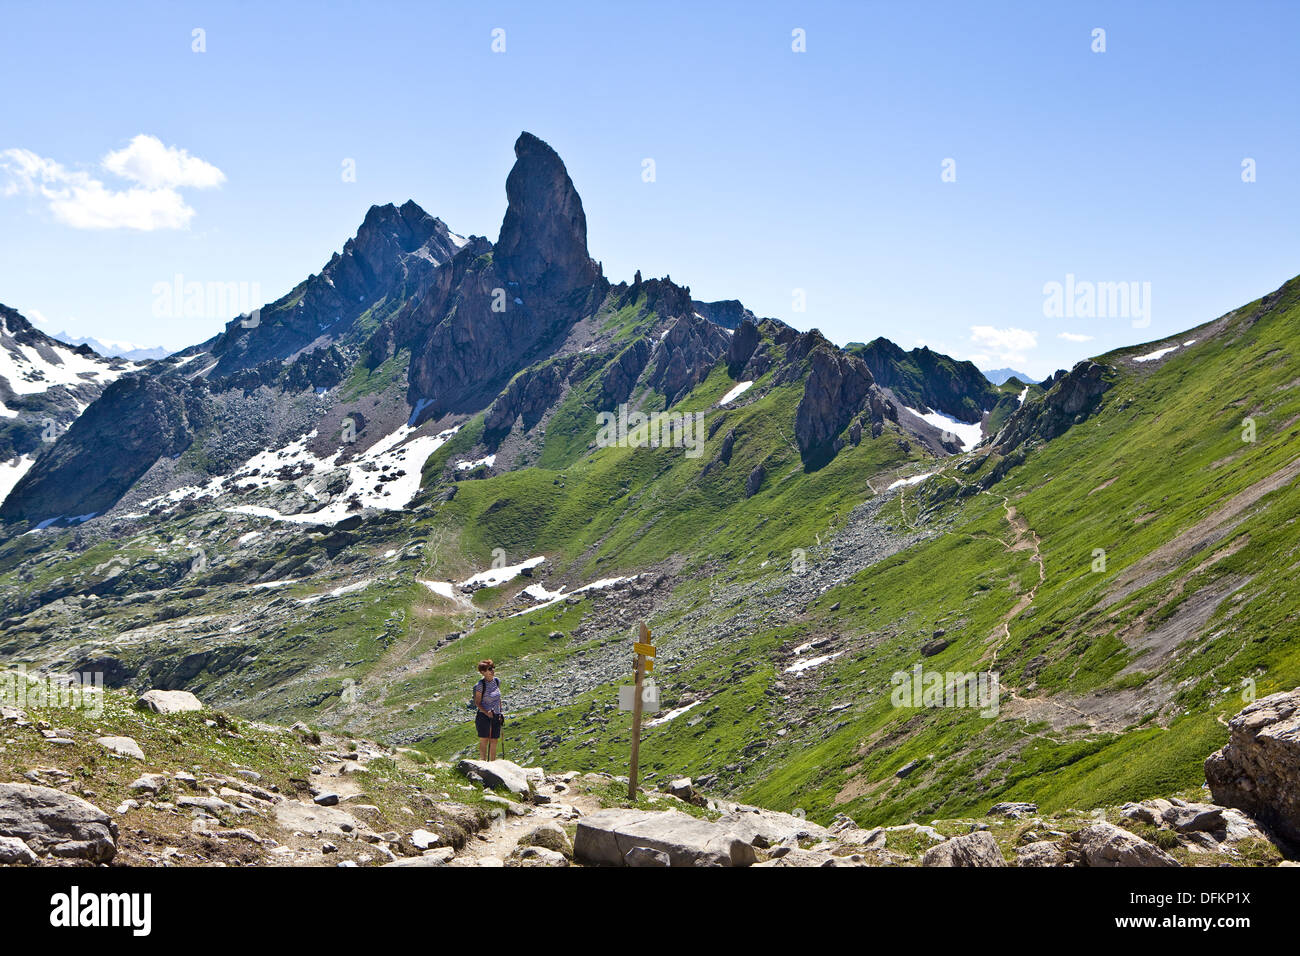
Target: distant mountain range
x: 109, y: 349
x: 999, y: 376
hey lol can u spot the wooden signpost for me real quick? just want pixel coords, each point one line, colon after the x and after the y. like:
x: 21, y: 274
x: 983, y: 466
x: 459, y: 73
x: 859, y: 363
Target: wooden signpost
x: 645, y: 653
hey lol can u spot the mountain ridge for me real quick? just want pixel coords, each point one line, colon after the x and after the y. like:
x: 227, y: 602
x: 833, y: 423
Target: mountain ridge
x: 336, y: 527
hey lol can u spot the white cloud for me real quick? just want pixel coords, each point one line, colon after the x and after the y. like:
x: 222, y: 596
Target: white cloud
x: 1074, y: 337
x: 155, y: 166
x: 1007, y: 346
x: 78, y: 199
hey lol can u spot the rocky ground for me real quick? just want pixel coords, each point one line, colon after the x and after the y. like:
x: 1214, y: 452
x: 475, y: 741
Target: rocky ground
x: 162, y: 781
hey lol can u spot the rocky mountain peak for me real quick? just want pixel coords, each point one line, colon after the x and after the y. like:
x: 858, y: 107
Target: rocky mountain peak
x: 389, y: 232
x: 543, y: 241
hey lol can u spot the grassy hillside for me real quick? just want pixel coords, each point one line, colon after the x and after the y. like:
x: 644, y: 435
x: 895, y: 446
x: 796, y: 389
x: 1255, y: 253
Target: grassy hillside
x: 782, y: 616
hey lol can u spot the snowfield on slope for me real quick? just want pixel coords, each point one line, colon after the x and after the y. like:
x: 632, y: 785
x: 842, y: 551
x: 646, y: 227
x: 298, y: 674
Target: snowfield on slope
x: 385, y: 476
x: 28, y: 372
x: 735, y: 393
x: 968, y: 433
x: 914, y: 480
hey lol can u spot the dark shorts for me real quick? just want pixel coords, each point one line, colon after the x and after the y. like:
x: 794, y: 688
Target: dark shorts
x: 487, y: 726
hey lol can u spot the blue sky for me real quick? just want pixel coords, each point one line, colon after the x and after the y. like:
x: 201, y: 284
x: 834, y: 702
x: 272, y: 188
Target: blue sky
x: 775, y: 171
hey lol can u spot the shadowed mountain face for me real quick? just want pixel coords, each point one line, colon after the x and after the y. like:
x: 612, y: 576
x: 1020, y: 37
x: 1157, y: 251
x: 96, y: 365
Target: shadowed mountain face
x: 499, y: 309
x: 543, y: 241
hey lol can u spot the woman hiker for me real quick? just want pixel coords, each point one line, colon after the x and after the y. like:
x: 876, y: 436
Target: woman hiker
x: 489, y: 716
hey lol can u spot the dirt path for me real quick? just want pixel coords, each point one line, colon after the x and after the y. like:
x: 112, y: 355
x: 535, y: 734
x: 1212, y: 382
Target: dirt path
x: 493, y: 844
x: 1024, y: 538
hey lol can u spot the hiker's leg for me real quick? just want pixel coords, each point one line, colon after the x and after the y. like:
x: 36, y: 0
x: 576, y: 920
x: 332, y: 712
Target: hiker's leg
x: 482, y: 748
x: 492, y: 748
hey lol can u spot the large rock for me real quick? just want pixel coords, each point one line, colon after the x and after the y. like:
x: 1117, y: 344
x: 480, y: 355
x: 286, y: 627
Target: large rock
x: 550, y: 836
x: 1104, y: 844
x: 14, y: 850
x: 168, y: 701
x: 1259, y: 769
x: 606, y: 837
x: 498, y: 773
x: 763, y: 828
x: 543, y: 240
x: 54, y: 822
x: 122, y: 746
x: 1040, y: 853
x: 1194, y: 817
x: 535, y: 856
x: 970, y: 849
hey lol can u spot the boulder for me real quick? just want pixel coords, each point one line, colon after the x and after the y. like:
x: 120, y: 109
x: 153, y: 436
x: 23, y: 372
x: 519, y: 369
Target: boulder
x: 606, y: 836
x: 424, y: 840
x: 536, y: 856
x: 14, y: 850
x: 58, y: 823
x: 168, y: 701
x: 150, y: 782
x: 1013, y: 810
x: 551, y: 836
x: 1040, y: 853
x: 762, y: 828
x: 1194, y: 817
x: 1258, y: 771
x: 1148, y: 811
x: 498, y: 773
x: 681, y: 789
x: 306, y: 733
x: 1104, y: 844
x: 123, y: 746
x: 971, y: 849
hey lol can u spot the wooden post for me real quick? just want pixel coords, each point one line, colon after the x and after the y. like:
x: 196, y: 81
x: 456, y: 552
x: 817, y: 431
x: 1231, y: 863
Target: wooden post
x: 643, y: 634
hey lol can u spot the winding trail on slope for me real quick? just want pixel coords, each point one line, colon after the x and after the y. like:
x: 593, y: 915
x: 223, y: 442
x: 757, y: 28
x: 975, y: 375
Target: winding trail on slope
x: 1024, y: 538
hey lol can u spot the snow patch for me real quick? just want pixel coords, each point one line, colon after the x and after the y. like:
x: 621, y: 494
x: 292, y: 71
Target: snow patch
x: 557, y: 596
x: 1158, y: 353
x: 735, y: 393
x: 386, y: 477
x: 811, y: 662
x: 494, y: 576
x: 914, y: 480
x: 671, y: 715
x: 11, y: 472
x: 968, y: 433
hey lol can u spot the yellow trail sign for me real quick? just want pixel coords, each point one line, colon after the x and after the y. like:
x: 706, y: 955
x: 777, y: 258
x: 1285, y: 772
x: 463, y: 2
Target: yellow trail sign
x: 644, y: 656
